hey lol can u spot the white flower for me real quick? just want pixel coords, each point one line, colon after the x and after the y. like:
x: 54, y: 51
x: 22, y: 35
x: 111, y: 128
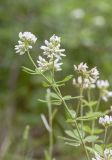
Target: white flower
x: 52, y: 48
x: 107, y: 155
x: 46, y: 65
x: 43, y: 64
x: 28, y: 37
x: 84, y: 83
x: 94, y: 74
x: 103, y: 86
x: 106, y: 120
x: 25, y: 42
x: 97, y: 157
x: 57, y: 65
x: 87, y: 78
x: 21, y: 48
x: 106, y: 95
x: 82, y: 67
x: 53, y: 55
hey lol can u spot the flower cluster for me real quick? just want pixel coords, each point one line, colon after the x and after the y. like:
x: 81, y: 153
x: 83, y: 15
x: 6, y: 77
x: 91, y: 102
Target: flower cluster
x: 53, y: 55
x: 103, y: 86
x: 25, y: 42
x: 87, y: 78
x: 106, y: 120
x: 107, y: 155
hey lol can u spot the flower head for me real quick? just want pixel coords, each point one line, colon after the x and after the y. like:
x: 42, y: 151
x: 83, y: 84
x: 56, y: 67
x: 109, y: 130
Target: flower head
x: 25, y: 42
x: 87, y: 78
x: 103, y: 86
x: 84, y: 83
x: 45, y: 65
x: 81, y: 68
x: 52, y: 53
x: 97, y: 157
x: 28, y: 37
x: 106, y: 120
x: 52, y: 48
x: 106, y: 155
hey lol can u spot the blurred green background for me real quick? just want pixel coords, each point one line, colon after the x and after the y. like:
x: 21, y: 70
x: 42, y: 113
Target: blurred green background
x: 86, y: 30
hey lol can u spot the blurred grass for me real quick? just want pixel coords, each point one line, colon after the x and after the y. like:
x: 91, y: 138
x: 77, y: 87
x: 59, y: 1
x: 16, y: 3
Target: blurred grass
x: 87, y: 39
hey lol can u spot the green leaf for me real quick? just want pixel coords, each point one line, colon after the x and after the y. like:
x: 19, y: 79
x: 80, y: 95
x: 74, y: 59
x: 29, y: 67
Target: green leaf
x: 67, y: 78
x: 29, y: 71
x: 90, y: 149
x: 54, y: 95
x: 74, y: 134
x: 69, y: 97
x: 89, y: 130
x: 68, y: 139
x: 73, y: 113
x: 98, y: 131
x: 72, y: 144
x: 45, y: 122
x: 91, y: 138
x: 53, y: 102
x: 26, y: 132
x: 41, y: 100
x: 90, y: 116
x: 70, y: 133
x: 99, y: 149
x: 45, y: 84
x: 90, y: 103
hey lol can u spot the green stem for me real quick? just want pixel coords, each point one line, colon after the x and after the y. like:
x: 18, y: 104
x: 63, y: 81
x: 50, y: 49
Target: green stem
x: 79, y: 102
x: 51, y: 125
x: 81, y: 107
x: 97, y: 108
x: 31, y: 59
x: 98, y: 104
x: 76, y: 124
x: 37, y: 68
x: 56, y: 89
x: 105, y: 137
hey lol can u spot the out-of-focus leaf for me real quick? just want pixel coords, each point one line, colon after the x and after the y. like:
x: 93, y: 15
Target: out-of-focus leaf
x: 91, y: 138
x: 45, y: 123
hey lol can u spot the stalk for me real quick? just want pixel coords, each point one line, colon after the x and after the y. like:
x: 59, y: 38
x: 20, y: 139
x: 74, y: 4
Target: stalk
x: 50, y: 124
x: 97, y: 108
x: 105, y: 135
x: 57, y: 90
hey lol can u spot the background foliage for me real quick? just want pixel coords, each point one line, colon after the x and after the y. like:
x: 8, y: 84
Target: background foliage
x: 86, y: 31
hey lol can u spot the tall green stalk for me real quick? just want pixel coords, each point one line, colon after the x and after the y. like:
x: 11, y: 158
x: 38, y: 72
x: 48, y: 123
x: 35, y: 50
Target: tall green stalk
x: 105, y: 136
x: 48, y: 98
x: 58, y: 92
